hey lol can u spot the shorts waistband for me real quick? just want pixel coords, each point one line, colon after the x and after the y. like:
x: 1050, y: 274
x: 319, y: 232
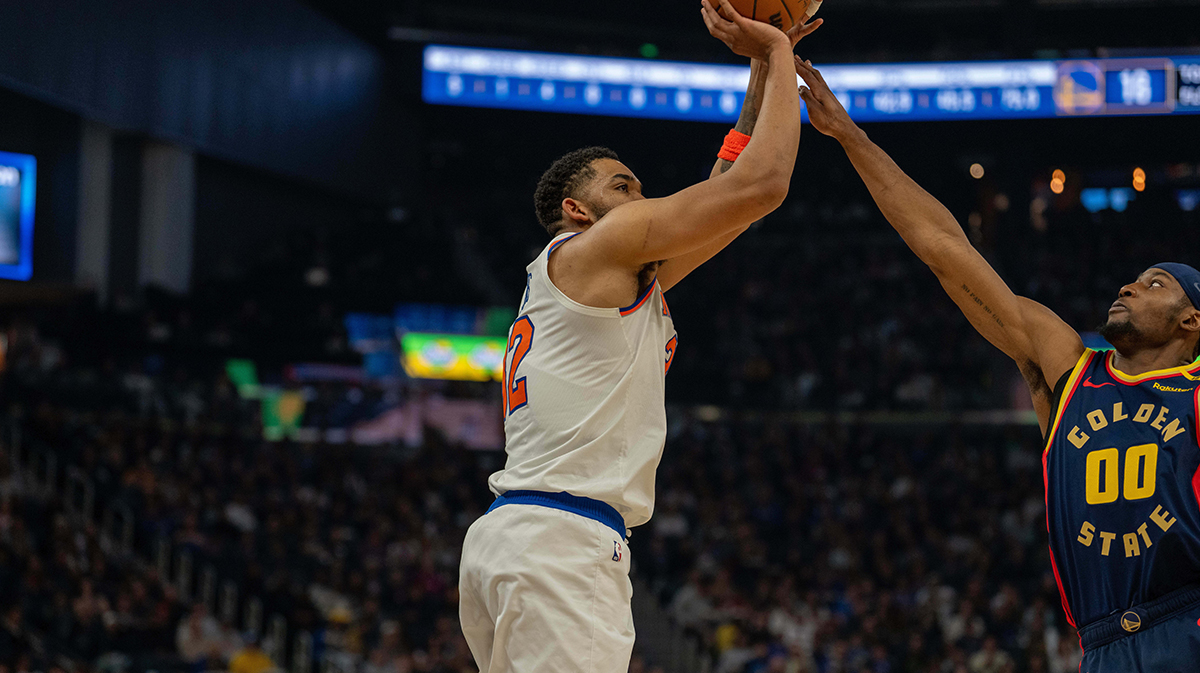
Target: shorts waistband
x: 586, y: 507
x: 1137, y: 618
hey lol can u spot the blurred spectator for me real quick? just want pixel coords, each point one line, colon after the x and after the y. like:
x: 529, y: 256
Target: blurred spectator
x: 200, y: 640
x: 991, y: 659
x: 250, y: 658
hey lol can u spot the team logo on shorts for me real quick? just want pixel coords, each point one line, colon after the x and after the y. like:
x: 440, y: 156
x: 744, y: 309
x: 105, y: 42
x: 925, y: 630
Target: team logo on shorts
x: 616, y: 550
x: 1131, y: 621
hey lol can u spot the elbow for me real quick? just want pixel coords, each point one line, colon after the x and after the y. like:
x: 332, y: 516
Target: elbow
x: 945, y: 253
x: 756, y: 190
x: 775, y: 188
x: 772, y: 199
x: 767, y: 192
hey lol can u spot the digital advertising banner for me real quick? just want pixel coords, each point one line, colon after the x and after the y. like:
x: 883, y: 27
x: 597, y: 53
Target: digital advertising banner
x: 17, y: 191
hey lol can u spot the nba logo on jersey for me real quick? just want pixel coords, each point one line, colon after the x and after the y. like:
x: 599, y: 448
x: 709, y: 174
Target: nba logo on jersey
x: 616, y: 550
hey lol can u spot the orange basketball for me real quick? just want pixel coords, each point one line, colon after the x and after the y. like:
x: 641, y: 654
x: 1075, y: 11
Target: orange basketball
x: 783, y: 14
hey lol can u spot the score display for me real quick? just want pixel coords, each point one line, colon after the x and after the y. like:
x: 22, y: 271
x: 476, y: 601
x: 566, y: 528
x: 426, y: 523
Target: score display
x: 1187, y: 85
x: 1116, y: 86
x: 870, y: 92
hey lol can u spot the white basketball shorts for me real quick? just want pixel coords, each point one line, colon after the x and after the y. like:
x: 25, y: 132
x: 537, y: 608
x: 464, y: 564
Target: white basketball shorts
x: 543, y: 590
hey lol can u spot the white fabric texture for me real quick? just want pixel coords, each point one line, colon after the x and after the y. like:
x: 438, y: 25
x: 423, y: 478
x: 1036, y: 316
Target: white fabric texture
x: 545, y: 590
x: 593, y: 422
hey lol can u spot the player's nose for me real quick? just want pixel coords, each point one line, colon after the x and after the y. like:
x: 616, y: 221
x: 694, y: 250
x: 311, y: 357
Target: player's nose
x: 1129, y: 290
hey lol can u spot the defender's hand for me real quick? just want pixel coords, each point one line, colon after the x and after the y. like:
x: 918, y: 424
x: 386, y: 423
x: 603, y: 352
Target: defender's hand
x: 743, y: 36
x: 825, y: 111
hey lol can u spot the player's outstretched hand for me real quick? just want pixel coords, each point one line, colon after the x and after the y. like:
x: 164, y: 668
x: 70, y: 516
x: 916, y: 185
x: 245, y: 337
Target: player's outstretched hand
x: 825, y: 111
x: 745, y: 37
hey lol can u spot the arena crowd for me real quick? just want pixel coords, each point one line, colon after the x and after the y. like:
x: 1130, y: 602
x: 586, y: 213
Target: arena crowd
x: 776, y: 546
x: 780, y: 543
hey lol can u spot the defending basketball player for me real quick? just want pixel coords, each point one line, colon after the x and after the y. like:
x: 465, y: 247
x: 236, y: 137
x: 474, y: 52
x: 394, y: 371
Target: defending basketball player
x: 544, y: 579
x: 1121, y: 462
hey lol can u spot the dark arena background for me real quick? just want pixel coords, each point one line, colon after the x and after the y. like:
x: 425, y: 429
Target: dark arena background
x: 260, y: 258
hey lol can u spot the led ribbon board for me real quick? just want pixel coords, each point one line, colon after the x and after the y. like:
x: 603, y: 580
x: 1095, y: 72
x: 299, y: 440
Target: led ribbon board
x: 619, y: 87
x: 18, y: 187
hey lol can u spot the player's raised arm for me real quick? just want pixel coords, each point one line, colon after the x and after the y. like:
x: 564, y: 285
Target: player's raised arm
x: 652, y: 230
x: 1043, y: 346
x: 675, y: 269
x: 756, y: 88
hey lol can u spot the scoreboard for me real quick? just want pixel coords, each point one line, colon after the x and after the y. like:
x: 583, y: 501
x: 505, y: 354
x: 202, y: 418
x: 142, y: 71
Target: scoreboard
x: 870, y: 92
x: 1117, y: 86
x: 1187, y: 87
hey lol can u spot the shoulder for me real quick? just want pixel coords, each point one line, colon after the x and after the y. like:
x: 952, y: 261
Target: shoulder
x: 1055, y: 346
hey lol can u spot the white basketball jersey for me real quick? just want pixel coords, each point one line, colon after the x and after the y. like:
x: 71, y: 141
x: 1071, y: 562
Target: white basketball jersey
x: 583, y: 395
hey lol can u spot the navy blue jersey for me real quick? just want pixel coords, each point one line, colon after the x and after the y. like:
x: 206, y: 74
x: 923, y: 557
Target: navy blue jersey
x: 1122, y: 471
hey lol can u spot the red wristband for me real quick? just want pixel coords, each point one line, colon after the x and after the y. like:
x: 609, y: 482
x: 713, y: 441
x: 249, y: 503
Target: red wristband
x: 735, y: 142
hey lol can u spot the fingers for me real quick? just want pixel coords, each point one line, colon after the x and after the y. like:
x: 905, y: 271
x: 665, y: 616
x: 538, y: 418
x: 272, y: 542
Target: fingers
x: 809, y: 99
x: 727, y: 10
x: 717, y: 26
x: 820, y: 77
x: 810, y: 75
x: 805, y: 71
x: 707, y: 21
x: 802, y: 30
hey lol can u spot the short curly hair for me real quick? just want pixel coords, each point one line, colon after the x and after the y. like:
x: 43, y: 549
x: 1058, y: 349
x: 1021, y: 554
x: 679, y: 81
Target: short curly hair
x: 563, y: 179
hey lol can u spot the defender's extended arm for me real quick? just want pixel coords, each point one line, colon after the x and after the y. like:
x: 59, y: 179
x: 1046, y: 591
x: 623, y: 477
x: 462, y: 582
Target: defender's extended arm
x: 1043, y: 346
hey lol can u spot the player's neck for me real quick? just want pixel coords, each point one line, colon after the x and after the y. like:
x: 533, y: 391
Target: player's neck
x: 1135, y: 362
x: 573, y: 228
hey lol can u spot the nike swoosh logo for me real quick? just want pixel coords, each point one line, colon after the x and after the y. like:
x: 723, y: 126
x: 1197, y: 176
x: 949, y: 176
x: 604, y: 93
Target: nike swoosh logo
x: 1088, y: 384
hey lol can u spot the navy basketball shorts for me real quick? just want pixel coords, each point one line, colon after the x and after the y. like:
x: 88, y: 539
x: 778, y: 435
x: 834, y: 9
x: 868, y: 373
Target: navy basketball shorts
x: 1162, y: 636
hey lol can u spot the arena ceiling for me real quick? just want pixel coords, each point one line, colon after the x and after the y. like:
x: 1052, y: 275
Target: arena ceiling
x: 858, y: 30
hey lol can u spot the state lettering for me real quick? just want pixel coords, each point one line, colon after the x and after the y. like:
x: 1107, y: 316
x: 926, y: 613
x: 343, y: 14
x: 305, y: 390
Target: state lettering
x: 1132, y: 542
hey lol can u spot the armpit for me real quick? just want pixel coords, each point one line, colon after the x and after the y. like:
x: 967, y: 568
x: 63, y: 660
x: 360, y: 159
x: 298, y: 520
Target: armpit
x: 1035, y: 379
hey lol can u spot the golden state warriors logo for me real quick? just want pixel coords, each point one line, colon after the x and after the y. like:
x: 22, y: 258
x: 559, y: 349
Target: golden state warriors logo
x: 1131, y: 621
x: 1079, y: 88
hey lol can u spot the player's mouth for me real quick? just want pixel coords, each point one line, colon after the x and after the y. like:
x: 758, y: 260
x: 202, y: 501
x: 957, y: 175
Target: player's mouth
x: 1118, y: 306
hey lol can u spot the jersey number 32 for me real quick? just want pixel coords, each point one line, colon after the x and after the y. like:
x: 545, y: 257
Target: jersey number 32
x: 520, y: 338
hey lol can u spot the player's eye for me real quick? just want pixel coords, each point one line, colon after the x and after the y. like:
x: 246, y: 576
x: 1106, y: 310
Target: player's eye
x: 623, y: 187
x: 1155, y: 282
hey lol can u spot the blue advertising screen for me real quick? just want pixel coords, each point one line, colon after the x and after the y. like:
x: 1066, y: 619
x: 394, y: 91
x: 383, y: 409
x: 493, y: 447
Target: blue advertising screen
x: 18, y: 174
x: 627, y: 87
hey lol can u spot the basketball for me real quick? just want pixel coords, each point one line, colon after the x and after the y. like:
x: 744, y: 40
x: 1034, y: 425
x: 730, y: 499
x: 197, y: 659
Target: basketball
x: 783, y: 14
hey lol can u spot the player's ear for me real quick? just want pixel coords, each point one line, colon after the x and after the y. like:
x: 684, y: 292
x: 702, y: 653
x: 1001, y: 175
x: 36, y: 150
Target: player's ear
x: 1191, y: 320
x: 576, y: 211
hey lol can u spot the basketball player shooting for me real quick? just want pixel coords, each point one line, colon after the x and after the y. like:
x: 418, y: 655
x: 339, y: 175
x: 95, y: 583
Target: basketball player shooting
x: 544, y: 578
x: 1121, y: 461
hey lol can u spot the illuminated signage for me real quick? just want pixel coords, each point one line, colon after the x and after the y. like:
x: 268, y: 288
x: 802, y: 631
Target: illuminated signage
x: 453, y: 356
x: 880, y: 92
x: 17, y: 194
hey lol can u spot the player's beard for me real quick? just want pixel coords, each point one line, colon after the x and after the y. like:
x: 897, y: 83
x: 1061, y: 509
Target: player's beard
x: 1117, y: 332
x: 1125, y: 332
x: 600, y: 209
